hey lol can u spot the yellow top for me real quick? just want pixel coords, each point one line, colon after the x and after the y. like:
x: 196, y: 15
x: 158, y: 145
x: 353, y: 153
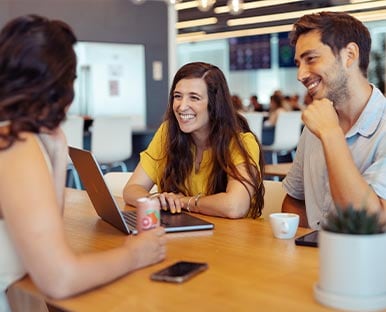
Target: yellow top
x: 153, y: 160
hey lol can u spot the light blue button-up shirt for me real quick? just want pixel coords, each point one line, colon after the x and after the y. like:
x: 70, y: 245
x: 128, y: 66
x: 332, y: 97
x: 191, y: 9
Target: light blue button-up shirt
x: 308, y: 178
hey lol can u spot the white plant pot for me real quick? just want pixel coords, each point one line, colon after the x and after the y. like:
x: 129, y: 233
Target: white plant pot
x: 352, y: 271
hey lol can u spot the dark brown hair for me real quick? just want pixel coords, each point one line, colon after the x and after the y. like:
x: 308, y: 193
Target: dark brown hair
x: 225, y: 126
x: 37, y: 70
x: 337, y: 30
x: 277, y: 99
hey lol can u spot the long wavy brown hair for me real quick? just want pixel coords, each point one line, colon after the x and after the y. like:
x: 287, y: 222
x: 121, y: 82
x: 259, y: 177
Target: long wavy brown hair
x: 37, y: 70
x: 225, y: 127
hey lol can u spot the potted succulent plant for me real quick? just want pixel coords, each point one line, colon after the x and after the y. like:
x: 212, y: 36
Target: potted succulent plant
x: 352, y: 251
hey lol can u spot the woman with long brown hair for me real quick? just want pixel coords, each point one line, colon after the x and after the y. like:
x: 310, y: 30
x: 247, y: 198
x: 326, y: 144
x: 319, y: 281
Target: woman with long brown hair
x: 203, y: 158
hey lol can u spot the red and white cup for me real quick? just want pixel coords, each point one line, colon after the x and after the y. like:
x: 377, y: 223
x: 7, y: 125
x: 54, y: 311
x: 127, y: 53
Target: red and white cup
x: 148, y: 213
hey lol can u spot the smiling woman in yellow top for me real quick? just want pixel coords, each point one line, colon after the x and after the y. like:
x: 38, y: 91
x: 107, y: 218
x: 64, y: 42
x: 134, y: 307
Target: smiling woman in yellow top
x: 203, y: 158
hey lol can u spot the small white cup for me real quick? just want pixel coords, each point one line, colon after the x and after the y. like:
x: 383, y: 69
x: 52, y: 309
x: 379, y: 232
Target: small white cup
x: 284, y: 225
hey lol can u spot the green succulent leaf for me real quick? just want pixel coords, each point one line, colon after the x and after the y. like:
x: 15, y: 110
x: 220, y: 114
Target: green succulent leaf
x: 353, y: 221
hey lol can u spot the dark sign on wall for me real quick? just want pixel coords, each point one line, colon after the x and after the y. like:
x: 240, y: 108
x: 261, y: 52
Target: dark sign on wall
x: 253, y: 52
x: 286, y: 51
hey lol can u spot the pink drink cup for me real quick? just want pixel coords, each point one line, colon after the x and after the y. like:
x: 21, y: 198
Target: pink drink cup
x: 148, y: 213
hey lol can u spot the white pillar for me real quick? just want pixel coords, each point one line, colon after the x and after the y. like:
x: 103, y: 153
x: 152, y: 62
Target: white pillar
x: 172, y: 42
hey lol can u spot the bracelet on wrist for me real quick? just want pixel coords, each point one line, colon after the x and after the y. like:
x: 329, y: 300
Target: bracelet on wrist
x: 153, y: 195
x: 196, y: 199
x: 188, y: 206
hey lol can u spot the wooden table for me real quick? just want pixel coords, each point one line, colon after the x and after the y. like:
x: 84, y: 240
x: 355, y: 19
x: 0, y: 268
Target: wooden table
x: 279, y: 170
x: 249, y: 270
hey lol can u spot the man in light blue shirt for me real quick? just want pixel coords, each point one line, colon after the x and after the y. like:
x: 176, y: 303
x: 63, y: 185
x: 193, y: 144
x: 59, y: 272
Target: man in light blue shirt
x: 341, y: 156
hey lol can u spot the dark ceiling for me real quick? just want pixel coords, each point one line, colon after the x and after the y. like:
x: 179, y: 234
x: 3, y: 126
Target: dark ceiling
x: 221, y: 26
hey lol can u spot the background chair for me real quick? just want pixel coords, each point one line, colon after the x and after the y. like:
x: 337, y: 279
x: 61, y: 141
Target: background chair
x: 273, y: 197
x: 255, y: 122
x: 116, y: 181
x: 72, y: 127
x: 287, y: 134
x: 111, y: 141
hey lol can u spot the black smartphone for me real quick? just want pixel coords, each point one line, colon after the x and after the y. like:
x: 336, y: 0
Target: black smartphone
x: 179, y: 271
x: 310, y: 239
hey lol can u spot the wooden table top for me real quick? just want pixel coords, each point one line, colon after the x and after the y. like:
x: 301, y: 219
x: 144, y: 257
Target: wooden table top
x: 249, y: 270
x: 280, y: 169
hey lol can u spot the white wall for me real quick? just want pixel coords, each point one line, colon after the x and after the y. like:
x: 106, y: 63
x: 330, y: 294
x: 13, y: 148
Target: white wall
x: 214, y: 52
x: 111, y: 81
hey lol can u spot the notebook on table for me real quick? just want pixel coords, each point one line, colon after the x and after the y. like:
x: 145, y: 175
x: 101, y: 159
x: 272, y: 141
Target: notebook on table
x: 108, y: 209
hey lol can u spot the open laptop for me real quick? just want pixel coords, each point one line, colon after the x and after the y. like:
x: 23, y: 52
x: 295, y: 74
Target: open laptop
x: 107, y: 208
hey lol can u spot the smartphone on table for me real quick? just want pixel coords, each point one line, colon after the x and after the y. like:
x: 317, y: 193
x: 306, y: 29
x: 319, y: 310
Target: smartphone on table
x: 310, y: 239
x: 179, y: 271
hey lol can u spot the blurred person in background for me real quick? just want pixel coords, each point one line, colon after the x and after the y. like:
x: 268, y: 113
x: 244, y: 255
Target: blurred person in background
x: 275, y: 108
x: 294, y: 103
x: 255, y: 105
x: 237, y: 103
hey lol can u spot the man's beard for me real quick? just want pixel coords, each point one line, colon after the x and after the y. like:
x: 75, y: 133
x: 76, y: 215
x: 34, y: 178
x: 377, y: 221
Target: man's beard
x: 338, y: 92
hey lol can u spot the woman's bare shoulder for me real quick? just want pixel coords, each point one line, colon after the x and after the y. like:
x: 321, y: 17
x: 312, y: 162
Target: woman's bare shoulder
x: 22, y: 147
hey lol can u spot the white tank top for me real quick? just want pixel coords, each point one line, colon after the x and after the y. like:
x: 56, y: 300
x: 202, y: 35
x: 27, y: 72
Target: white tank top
x: 11, y: 268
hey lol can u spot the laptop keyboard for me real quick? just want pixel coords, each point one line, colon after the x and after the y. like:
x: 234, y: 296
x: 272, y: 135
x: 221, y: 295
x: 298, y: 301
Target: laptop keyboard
x: 130, y: 218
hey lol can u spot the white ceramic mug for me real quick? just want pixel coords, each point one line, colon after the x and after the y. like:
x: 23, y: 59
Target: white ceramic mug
x: 284, y: 225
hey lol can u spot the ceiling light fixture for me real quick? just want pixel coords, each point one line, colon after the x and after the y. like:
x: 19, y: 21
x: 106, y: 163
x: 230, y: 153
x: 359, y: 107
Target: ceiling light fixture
x: 205, y: 5
x: 253, y: 5
x: 197, y: 22
x: 234, y: 34
x: 173, y: 2
x: 246, y: 6
x: 297, y: 14
x: 370, y: 16
x: 235, y: 6
x: 195, y: 34
x: 359, y: 1
x: 186, y: 5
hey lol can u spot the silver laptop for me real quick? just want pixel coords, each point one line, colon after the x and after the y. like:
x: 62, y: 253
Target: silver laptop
x: 107, y: 208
